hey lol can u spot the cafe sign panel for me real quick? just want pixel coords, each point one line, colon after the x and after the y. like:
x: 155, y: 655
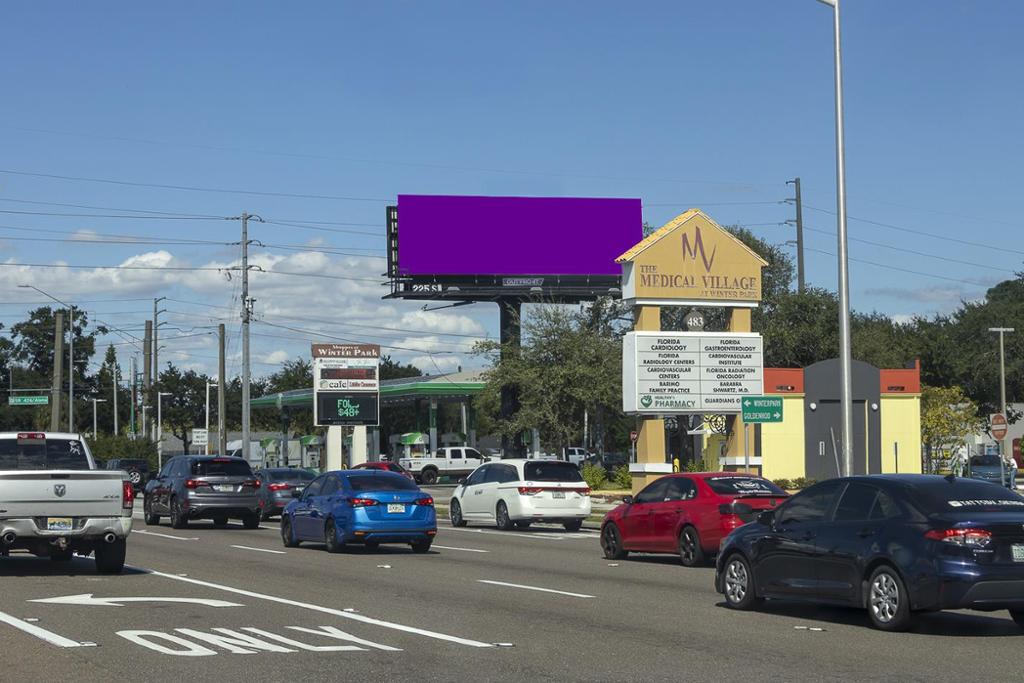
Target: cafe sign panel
x: 691, y: 260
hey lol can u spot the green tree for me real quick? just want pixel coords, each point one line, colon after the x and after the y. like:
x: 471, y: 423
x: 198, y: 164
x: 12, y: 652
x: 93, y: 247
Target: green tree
x: 799, y: 328
x: 948, y: 417
x: 185, y: 408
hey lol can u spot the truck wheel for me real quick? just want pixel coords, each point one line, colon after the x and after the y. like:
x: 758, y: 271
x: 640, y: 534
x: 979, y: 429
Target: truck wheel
x: 178, y: 518
x: 573, y: 525
x: 110, y: 557
x: 429, y: 476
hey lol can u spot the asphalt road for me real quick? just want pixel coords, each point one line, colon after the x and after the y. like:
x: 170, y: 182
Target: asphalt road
x: 302, y: 614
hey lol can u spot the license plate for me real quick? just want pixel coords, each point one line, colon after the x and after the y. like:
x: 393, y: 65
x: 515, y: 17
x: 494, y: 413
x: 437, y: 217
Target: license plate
x: 224, y: 488
x: 59, y: 524
x: 558, y: 494
x: 396, y: 508
x: 1018, y: 552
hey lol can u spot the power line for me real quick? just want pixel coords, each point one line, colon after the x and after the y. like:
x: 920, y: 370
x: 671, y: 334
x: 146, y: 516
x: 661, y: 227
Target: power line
x: 192, y: 188
x: 111, y: 215
x: 897, y: 268
x: 970, y: 243
x: 324, y: 229
x: 191, y: 269
x: 108, y: 208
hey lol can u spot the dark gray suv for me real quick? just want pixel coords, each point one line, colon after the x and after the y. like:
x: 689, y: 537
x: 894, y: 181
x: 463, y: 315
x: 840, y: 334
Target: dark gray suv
x: 203, y: 487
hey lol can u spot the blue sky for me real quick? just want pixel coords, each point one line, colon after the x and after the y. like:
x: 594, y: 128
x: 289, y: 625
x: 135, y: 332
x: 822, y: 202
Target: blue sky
x: 711, y: 104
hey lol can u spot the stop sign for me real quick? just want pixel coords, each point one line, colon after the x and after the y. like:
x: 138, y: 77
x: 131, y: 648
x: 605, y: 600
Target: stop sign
x: 997, y: 425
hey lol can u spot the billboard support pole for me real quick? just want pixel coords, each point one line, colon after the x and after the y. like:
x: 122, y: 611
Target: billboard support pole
x: 511, y: 331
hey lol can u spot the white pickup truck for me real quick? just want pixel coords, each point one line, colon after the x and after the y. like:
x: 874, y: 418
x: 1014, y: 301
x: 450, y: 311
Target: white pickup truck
x: 54, y: 502
x: 452, y: 461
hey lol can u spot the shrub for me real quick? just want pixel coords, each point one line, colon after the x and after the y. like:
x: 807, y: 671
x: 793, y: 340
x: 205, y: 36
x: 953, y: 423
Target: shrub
x: 594, y: 475
x: 697, y: 466
x: 784, y: 484
x: 622, y: 478
x: 803, y: 482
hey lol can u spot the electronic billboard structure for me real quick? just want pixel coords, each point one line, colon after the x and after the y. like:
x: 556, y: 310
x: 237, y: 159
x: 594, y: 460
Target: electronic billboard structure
x: 555, y: 249
x: 510, y: 251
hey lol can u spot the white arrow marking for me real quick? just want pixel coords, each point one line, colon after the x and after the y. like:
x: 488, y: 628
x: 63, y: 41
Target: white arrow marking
x: 88, y: 599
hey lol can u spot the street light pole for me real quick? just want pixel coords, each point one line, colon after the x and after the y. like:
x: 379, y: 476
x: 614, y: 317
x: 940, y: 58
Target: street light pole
x: 845, y: 358
x: 208, y: 385
x: 114, y: 370
x: 94, y: 402
x: 160, y: 427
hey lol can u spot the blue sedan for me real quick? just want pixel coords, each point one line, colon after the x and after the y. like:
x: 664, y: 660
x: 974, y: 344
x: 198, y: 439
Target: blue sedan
x: 893, y: 544
x: 367, y: 507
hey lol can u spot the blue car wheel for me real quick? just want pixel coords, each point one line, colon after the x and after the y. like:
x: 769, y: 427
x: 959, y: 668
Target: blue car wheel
x: 331, y: 540
x: 287, y: 533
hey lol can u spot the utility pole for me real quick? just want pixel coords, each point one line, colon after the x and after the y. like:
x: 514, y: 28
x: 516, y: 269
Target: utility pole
x: 147, y: 364
x: 94, y: 402
x: 58, y: 362
x: 71, y: 372
x: 156, y: 342
x: 114, y: 369
x: 246, y: 312
x: 131, y: 367
x: 222, y: 435
x: 799, y: 222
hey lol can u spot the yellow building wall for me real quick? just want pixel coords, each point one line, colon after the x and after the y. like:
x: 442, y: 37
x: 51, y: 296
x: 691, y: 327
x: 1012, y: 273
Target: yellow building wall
x: 901, y: 424
x: 782, y: 443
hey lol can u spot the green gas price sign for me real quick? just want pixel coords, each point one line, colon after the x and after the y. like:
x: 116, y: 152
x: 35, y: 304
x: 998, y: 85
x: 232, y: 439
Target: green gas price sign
x: 347, y: 408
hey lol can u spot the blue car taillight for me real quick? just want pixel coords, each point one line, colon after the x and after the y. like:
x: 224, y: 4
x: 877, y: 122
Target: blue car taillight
x: 362, y: 502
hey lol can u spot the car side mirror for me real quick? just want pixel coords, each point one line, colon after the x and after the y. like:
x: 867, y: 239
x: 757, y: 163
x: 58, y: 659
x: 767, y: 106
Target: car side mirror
x: 767, y: 518
x: 628, y: 500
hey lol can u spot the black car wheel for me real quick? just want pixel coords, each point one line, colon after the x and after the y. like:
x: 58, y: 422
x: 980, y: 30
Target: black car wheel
x: 1018, y: 616
x: 501, y: 517
x: 455, y: 513
x: 147, y: 509
x: 611, y: 543
x: 888, y: 606
x: 250, y: 521
x: 738, y: 584
x: 421, y: 546
x: 287, y: 535
x: 690, y: 552
x: 574, y: 525
x: 179, y: 520
x: 331, y: 538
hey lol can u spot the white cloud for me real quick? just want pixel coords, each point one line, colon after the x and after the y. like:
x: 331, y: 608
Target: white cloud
x: 277, y: 357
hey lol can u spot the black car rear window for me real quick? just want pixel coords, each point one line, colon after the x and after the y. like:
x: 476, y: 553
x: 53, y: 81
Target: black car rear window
x: 743, y: 486
x: 40, y: 454
x: 291, y: 475
x: 551, y: 471
x: 985, y: 461
x: 380, y: 482
x: 221, y: 468
x: 966, y: 495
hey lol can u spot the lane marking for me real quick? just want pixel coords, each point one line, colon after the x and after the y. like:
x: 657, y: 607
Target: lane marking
x: 534, y: 588
x: 260, y: 550
x: 468, y: 550
x: 41, y: 633
x: 88, y: 599
x: 176, y: 538
x: 536, y: 537
x: 326, y: 610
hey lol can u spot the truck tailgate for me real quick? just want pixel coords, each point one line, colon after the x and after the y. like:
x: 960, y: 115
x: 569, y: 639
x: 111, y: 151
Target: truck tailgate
x: 54, y: 493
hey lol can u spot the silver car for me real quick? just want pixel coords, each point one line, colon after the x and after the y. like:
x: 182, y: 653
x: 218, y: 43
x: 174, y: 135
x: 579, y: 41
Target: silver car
x: 278, y: 486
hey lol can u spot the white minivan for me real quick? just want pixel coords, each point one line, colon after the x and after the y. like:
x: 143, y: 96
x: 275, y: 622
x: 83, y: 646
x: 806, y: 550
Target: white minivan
x: 516, y: 493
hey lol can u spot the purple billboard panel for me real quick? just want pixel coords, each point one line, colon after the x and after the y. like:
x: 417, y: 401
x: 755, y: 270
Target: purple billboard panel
x: 449, y: 235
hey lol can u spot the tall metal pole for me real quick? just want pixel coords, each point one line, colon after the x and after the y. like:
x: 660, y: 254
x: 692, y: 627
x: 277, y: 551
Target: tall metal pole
x: 207, y: 418
x: 222, y: 435
x: 800, y: 280
x: 159, y: 430
x: 245, y: 335
x: 115, y: 398
x: 1002, y: 395
x: 131, y: 411
x: 71, y: 372
x: 845, y: 358
x: 147, y: 376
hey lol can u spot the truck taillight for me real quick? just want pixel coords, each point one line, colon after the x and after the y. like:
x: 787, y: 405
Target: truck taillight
x: 127, y: 495
x: 31, y: 436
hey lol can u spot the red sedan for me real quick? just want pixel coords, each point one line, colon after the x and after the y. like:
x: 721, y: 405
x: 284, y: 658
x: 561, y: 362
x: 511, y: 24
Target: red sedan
x: 688, y: 514
x: 388, y: 466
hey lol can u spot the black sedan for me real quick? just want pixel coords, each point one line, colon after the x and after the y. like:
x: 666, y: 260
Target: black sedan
x: 893, y: 544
